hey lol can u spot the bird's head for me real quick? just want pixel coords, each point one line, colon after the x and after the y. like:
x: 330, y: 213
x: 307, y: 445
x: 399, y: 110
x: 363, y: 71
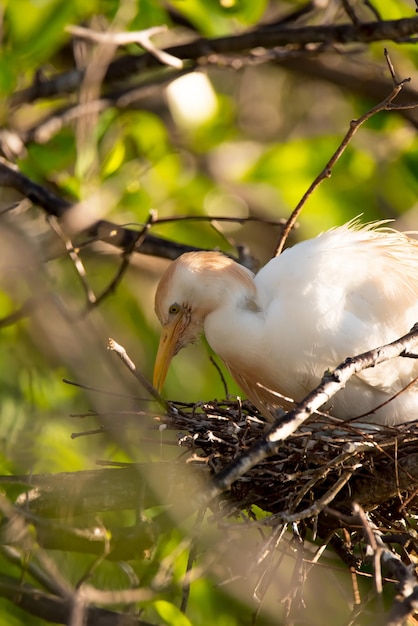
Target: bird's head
x: 193, y: 286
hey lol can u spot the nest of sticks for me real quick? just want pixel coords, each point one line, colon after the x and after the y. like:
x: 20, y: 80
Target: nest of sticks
x: 352, y: 487
x: 326, y: 463
x: 338, y: 483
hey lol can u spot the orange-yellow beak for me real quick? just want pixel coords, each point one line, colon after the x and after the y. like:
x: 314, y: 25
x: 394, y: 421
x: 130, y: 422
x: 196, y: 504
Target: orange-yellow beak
x: 167, y: 348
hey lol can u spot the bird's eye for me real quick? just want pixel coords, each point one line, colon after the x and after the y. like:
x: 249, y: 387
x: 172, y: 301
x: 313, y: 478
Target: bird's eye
x: 174, y: 309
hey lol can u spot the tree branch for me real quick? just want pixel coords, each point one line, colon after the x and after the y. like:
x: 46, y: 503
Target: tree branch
x: 406, y: 602
x: 284, y: 426
x: 385, y: 105
x: 102, y: 230
x: 201, y: 49
x: 58, y: 610
x: 69, y: 494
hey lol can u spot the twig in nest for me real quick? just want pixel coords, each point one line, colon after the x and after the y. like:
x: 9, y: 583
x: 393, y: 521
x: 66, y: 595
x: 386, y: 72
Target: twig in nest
x: 407, y: 601
x: 315, y: 509
x: 291, y: 421
x: 221, y: 376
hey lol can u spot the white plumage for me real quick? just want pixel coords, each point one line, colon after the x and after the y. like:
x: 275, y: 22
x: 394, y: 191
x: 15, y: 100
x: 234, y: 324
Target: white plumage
x: 348, y: 290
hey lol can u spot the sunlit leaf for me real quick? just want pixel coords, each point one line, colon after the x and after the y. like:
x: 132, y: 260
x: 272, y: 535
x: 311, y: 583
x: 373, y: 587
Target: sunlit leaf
x: 171, y: 614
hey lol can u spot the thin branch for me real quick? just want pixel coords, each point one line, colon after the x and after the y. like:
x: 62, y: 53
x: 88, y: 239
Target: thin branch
x: 17, y: 527
x: 124, y: 357
x: 193, y: 551
x: 122, y: 99
x: 10, y: 176
x: 375, y: 548
x: 385, y: 105
x: 315, y: 509
x: 101, y: 230
x: 123, y: 237
x: 351, y: 12
x: 18, y: 558
x: 373, y: 9
x: 26, y: 309
x: 105, y: 392
x: 75, y: 258
x: 395, y: 395
x: 349, y: 76
x: 220, y: 218
x: 134, y: 246
x: 221, y: 376
x: 141, y: 37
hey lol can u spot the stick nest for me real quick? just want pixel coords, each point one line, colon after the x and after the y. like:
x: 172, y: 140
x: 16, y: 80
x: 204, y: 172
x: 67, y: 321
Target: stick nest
x: 317, y: 474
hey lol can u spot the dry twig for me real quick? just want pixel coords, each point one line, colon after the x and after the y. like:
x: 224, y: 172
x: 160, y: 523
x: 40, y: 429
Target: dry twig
x: 141, y: 37
x: 386, y: 105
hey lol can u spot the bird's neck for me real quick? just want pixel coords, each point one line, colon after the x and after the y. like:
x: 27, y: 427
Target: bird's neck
x: 235, y: 327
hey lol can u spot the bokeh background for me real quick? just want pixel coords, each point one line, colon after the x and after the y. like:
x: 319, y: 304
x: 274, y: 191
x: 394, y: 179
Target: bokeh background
x: 237, y: 135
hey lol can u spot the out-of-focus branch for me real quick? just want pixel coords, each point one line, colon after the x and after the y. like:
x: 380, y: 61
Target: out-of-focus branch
x: 142, y: 37
x: 103, y: 230
x: 69, y: 494
x: 201, y: 49
x: 58, y: 610
x: 115, y: 489
x: 10, y: 176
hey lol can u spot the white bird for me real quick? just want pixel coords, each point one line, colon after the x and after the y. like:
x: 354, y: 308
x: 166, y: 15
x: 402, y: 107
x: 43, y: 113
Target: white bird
x: 349, y: 290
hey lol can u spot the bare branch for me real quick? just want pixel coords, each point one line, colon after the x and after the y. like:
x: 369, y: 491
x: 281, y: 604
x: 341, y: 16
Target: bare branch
x: 58, y: 610
x: 103, y: 230
x: 201, y: 49
x: 385, y: 105
x: 141, y: 37
x: 351, y: 12
x: 11, y: 177
x: 331, y: 383
x: 134, y: 246
x: 349, y: 76
x: 75, y: 258
x: 122, y: 354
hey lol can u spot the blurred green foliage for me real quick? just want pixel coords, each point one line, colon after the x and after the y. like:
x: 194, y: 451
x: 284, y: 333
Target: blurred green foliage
x: 255, y: 153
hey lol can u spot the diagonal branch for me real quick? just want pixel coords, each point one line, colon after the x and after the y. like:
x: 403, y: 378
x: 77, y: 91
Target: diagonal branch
x: 284, y: 426
x: 385, y: 105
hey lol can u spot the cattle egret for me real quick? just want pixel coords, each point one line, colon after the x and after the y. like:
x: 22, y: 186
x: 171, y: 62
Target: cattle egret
x: 346, y: 291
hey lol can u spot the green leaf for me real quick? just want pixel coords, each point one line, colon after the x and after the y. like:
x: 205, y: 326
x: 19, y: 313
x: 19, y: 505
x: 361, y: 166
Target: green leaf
x: 35, y: 30
x: 171, y: 614
x: 7, y: 74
